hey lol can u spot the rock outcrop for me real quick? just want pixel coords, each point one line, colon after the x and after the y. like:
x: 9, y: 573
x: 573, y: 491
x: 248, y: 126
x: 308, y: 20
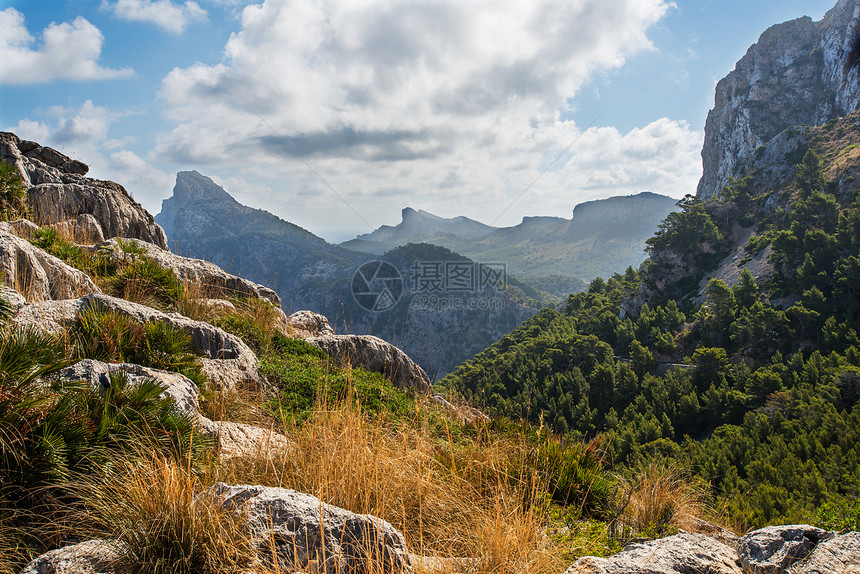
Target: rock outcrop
x: 799, y: 73
x: 211, y: 281
x: 772, y: 549
x: 840, y: 554
x: 299, y: 532
x: 679, y: 554
x: 227, y: 360
x: 375, y: 355
x: 58, y: 192
x: 90, y: 557
x: 36, y: 274
x: 241, y: 440
x: 793, y: 549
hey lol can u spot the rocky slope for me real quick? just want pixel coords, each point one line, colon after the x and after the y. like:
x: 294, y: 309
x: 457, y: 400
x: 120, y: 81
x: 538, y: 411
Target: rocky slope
x: 799, y: 73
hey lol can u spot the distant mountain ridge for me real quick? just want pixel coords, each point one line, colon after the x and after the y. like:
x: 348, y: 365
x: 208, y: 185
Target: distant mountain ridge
x: 603, y: 237
x: 202, y: 220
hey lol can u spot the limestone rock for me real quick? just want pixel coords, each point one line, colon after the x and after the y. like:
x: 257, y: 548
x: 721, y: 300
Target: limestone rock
x: 798, y: 73
x: 59, y: 192
x: 36, y: 274
x: 375, y: 355
x: 312, y: 536
x: 212, y: 281
x: 91, y: 557
x: 840, y: 554
x: 772, y: 549
x: 309, y: 324
x: 679, y: 554
x: 83, y: 229
x: 226, y: 359
x: 243, y: 440
x: 180, y: 388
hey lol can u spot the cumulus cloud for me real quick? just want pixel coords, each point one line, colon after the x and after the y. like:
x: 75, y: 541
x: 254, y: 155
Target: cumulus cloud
x: 67, y: 51
x: 163, y: 13
x: 459, y: 102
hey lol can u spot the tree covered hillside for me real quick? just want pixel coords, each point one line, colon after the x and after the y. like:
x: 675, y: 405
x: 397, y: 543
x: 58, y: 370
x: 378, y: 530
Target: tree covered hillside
x: 751, y: 382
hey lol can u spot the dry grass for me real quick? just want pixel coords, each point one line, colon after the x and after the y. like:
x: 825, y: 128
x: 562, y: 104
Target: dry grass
x: 157, y: 508
x: 241, y: 404
x: 474, y: 499
x: 657, y: 498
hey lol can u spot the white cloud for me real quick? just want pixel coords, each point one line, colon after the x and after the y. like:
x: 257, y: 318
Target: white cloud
x: 163, y: 13
x: 67, y: 51
x: 456, y: 103
x: 148, y: 184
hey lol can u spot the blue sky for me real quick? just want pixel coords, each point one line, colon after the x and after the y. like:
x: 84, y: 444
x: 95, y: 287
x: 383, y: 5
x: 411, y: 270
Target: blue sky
x: 336, y: 114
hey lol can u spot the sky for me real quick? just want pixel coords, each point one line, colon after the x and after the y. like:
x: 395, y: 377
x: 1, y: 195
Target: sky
x: 337, y: 114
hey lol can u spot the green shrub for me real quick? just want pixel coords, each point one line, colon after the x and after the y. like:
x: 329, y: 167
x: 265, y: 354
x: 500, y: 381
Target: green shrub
x: 13, y: 193
x: 111, y: 336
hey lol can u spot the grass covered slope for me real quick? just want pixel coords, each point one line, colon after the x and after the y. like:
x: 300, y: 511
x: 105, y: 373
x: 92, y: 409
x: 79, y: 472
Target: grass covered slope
x: 752, y: 386
x: 119, y: 461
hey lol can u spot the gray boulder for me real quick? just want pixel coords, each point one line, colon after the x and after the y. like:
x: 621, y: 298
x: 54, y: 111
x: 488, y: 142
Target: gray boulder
x: 226, y: 360
x: 213, y: 282
x: 239, y: 440
x: 308, y: 324
x: 180, y: 388
x: 772, y: 549
x: 36, y: 274
x: 59, y: 192
x: 90, y: 557
x: 840, y: 554
x: 375, y: 355
x: 299, y: 532
x: 679, y: 554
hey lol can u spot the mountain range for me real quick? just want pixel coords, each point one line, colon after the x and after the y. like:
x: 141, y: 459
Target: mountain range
x: 603, y: 237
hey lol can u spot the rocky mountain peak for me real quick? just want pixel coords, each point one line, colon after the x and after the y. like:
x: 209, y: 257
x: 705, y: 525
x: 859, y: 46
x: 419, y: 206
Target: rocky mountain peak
x: 193, y: 186
x: 799, y: 73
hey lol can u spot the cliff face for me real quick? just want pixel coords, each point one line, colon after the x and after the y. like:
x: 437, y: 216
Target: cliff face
x: 59, y: 193
x: 799, y: 73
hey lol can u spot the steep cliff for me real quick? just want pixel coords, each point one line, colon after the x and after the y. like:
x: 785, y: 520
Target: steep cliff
x: 799, y: 73
x: 59, y: 193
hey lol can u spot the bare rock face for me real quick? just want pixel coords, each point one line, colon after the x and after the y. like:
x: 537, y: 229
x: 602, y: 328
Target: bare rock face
x: 91, y: 557
x: 679, y: 554
x: 300, y: 532
x: 227, y: 360
x: 772, y: 549
x: 213, y: 281
x: 241, y: 440
x: 36, y: 274
x: 58, y: 192
x: 839, y: 554
x: 178, y: 387
x: 375, y: 355
x: 799, y: 73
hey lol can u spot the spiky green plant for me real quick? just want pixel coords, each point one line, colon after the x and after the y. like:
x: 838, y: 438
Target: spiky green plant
x: 143, y: 280
x: 111, y: 336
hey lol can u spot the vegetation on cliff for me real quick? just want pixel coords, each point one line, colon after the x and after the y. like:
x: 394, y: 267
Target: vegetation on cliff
x: 753, y: 387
